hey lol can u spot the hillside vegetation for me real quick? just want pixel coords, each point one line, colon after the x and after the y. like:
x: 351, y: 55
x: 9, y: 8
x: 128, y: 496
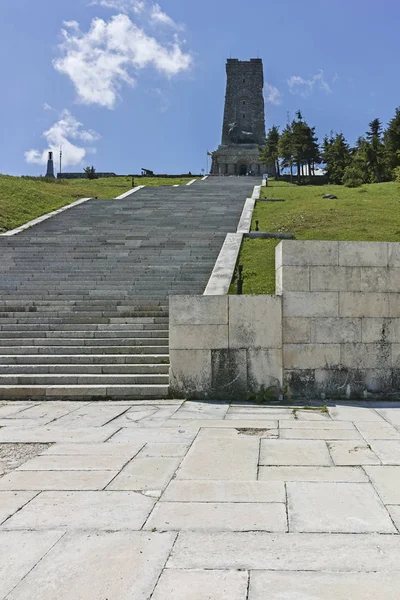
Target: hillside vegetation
x: 367, y: 213
x: 23, y: 199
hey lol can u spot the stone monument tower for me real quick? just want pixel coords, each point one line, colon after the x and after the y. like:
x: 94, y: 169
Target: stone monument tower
x: 50, y: 166
x: 243, y: 130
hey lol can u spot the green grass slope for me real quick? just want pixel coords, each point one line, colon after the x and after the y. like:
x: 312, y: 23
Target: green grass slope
x: 24, y: 199
x: 370, y: 213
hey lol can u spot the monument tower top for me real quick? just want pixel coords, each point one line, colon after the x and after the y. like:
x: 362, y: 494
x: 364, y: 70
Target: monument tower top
x: 243, y: 129
x: 244, y: 102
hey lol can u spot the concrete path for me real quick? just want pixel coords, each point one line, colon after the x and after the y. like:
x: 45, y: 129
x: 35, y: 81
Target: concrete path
x: 199, y: 501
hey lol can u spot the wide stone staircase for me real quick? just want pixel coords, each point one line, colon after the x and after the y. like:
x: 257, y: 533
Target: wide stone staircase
x: 84, y: 295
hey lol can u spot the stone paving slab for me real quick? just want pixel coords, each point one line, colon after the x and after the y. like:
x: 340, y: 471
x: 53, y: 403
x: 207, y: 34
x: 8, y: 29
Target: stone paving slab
x: 392, y: 414
x: 336, y: 508
x: 386, y: 481
x: 326, y: 586
x: 91, y: 416
x: 338, y: 474
x: 224, y: 459
x: 56, y: 480
x: 56, y: 434
x: 20, y: 552
x: 123, y: 450
x: 146, y: 474
x: 175, y: 584
x: 164, y: 450
x: 83, y: 510
x: 355, y: 413
x: 377, y: 431
x: 79, y: 462
x: 157, y: 434
x: 316, y: 425
x: 250, y: 423
x: 218, y: 516
x: 98, y: 565
x: 352, y: 453
x: 10, y: 502
x: 224, y: 491
x: 293, y: 452
x: 388, y: 451
x: 286, y: 551
x: 320, y: 434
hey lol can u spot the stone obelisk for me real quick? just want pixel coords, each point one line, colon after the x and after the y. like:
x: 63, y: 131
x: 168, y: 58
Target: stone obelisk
x: 50, y: 166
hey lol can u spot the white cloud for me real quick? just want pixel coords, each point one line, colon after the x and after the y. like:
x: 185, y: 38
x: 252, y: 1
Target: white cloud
x: 61, y: 133
x: 111, y: 53
x: 158, y: 16
x: 305, y: 87
x: 272, y: 95
x: 47, y: 106
x: 71, y: 24
x: 124, y: 6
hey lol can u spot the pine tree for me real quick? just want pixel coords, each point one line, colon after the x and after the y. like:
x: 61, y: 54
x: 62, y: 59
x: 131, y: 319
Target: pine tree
x: 286, y: 150
x: 391, y: 140
x: 270, y: 153
x: 375, y: 153
x: 336, y: 155
x: 305, y: 146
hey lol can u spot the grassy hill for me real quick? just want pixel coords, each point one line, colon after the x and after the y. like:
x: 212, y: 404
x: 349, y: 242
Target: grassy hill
x: 23, y: 199
x: 369, y: 213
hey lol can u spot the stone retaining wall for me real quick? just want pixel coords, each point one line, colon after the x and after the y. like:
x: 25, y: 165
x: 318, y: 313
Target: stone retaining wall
x: 341, y: 317
x: 225, y: 346
x: 332, y: 330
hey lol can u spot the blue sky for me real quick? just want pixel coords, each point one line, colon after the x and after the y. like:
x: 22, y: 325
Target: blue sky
x: 134, y: 83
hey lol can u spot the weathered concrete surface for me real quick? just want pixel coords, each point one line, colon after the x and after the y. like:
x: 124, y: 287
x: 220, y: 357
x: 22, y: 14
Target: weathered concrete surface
x: 195, y: 500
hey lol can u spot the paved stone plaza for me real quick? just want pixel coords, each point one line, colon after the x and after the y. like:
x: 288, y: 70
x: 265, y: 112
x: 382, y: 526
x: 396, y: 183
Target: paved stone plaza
x: 202, y: 501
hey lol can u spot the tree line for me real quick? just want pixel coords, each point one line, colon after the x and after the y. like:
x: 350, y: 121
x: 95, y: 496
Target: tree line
x: 374, y: 158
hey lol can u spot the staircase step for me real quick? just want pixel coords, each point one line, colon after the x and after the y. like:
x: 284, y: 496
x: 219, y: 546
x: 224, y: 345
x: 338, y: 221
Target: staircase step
x: 77, y: 392
x: 83, y: 359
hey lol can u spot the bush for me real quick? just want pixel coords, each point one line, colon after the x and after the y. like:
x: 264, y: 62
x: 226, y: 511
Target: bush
x: 352, y: 177
x: 397, y: 174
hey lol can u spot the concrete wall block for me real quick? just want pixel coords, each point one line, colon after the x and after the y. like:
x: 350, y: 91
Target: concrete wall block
x: 255, y: 322
x: 363, y: 254
x: 335, y: 330
x: 380, y: 330
x: 296, y: 330
x: 363, y: 304
x: 394, y: 254
x: 311, y: 356
x: 366, y: 356
x: 229, y: 374
x: 198, y: 337
x: 394, y: 305
x: 310, y: 304
x: 190, y: 373
x: 198, y: 310
x: 264, y: 368
x: 307, y: 253
x: 279, y: 281
x: 326, y: 279
x: 292, y: 279
x: 351, y: 383
x: 375, y: 279
x: 396, y: 356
